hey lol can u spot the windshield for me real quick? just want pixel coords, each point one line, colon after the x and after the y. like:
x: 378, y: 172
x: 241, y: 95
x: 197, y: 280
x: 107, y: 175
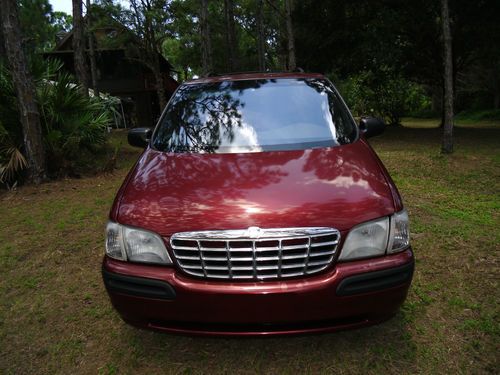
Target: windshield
x: 254, y: 115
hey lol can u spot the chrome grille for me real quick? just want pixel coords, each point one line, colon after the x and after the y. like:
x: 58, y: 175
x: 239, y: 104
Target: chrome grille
x: 255, y: 253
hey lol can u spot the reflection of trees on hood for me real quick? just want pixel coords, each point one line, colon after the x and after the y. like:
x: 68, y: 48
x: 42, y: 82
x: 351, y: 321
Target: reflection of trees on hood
x: 197, y: 184
x: 199, y: 119
x: 329, y: 165
x: 237, y: 174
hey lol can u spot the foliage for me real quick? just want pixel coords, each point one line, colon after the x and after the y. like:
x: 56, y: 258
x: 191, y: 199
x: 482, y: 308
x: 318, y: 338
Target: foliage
x: 183, y: 47
x: 35, y: 17
x: 394, y: 41
x: 62, y: 22
x: 10, y: 137
x: 385, y: 94
x: 183, y: 50
x: 358, y: 36
x: 11, y: 158
x: 74, y: 127
x: 41, y: 25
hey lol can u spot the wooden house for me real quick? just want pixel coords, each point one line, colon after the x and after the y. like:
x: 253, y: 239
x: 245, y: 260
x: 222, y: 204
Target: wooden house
x: 121, y: 72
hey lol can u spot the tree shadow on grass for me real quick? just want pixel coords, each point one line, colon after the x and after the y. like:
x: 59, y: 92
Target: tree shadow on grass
x: 384, y: 347
x: 463, y: 136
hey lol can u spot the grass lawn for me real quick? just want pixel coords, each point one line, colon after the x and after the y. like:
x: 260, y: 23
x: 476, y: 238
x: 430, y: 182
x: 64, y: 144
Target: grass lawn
x: 55, y: 316
x: 460, y: 122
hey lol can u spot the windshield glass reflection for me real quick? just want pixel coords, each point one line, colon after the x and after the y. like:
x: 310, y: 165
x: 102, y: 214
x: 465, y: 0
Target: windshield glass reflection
x: 253, y: 116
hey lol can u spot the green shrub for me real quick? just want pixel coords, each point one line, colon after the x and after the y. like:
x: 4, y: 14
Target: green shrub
x: 384, y: 93
x: 74, y: 126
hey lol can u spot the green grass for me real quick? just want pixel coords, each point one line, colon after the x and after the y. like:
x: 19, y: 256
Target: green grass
x: 485, y: 115
x: 474, y: 120
x: 55, y: 316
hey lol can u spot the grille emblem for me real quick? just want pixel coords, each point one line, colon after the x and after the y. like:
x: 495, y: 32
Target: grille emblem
x: 253, y: 232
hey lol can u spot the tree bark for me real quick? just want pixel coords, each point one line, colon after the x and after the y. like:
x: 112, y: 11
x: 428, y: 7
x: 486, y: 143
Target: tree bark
x: 25, y: 90
x: 282, y: 50
x: 261, y: 46
x: 2, y: 43
x: 447, y: 144
x: 79, y: 47
x: 145, y: 21
x: 93, y: 64
x: 231, y: 42
x: 292, y: 64
x: 206, y: 45
x: 160, y: 84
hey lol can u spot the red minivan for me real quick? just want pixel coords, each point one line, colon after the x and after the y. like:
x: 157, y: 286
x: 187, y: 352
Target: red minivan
x: 257, y: 208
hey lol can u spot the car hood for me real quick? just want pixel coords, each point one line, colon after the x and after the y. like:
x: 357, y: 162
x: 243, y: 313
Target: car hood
x: 335, y: 187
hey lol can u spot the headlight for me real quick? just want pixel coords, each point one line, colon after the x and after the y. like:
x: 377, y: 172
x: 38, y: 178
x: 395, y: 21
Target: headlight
x: 366, y: 240
x: 136, y: 245
x: 399, y: 238
x: 386, y: 235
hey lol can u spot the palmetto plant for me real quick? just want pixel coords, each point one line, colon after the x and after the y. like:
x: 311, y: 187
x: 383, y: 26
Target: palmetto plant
x: 12, y: 159
x: 73, y: 125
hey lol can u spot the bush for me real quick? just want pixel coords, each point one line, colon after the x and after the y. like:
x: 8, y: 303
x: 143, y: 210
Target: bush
x: 74, y: 126
x: 385, y: 94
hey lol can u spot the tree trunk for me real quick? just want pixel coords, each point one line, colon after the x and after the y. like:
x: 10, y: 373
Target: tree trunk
x: 261, y: 46
x: 93, y: 65
x: 443, y: 100
x: 160, y: 90
x: 292, y: 64
x: 79, y: 47
x: 231, y: 43
x: 160, y: 85
x: 206, y: 47
x: 25, y: 90
x: 496, y: 99
x: 447, y: 145
x: 2, y: 43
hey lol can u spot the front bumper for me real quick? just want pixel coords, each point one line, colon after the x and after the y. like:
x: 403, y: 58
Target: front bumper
x: 348, y: 295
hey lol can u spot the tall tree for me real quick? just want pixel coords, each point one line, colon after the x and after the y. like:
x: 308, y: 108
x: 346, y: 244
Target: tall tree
x: 92, y: 58
x: 292, y: 62
x: 183, y: 50
x: 36, y: 19
x: 231, y: 42
x: 447, y: 144
x: 206, y: 44
x: 261, y: 39
x: 79, y: 46
x: 2, y: 43
x: 25, y: 90
x: 149, y: 19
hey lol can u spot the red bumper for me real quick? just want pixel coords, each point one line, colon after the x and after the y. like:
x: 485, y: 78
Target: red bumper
x: 343, y: 297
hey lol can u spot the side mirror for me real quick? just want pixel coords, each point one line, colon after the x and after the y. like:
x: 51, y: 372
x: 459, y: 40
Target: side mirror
x: 371, y: 126
x: 139, y: 137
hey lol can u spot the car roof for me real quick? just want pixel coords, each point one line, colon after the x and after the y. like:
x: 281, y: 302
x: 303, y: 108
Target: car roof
x: 249, y: 76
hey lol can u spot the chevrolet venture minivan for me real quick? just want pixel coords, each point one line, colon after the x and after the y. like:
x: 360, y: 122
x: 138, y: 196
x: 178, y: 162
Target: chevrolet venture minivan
x: 257, y: 208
